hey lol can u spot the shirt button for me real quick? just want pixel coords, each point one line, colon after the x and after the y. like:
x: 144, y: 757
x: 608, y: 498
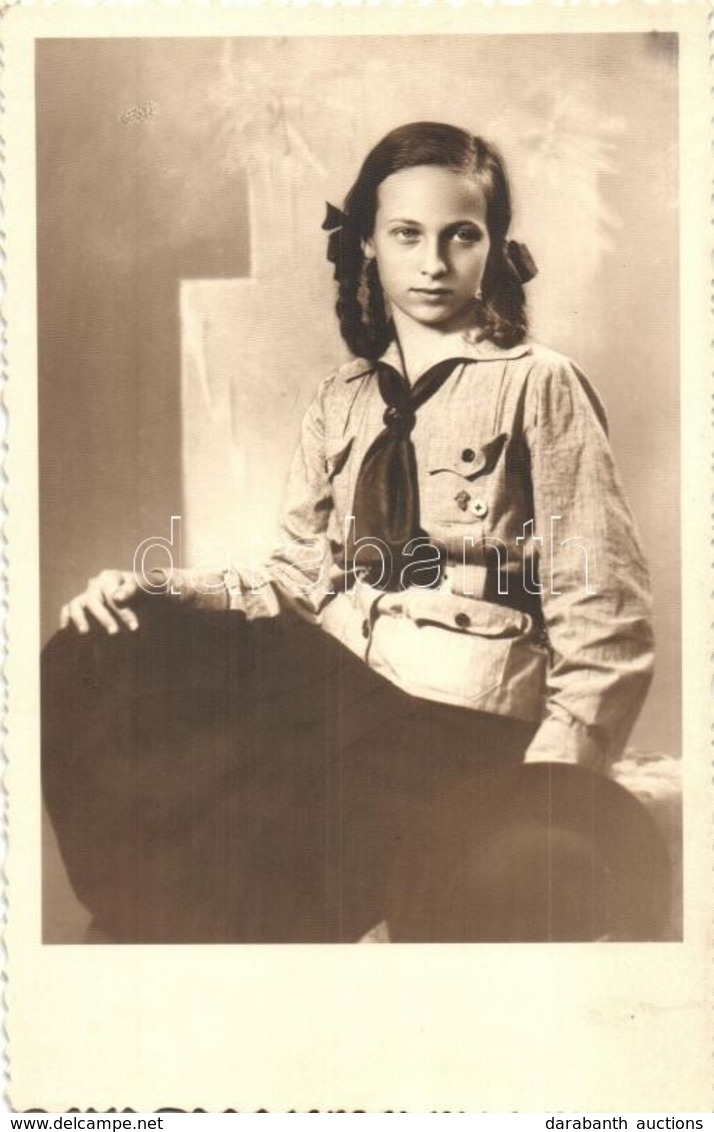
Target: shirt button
x: 479, y: 508
x: 468, y: 455
x: 365, y: 628
x: 462, y: 620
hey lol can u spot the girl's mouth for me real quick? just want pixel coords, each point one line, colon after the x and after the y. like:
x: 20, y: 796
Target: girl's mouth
x: 433, y: 292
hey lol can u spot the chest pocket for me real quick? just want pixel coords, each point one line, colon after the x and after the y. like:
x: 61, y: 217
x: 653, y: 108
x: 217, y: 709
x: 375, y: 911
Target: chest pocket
x: 459, y: 485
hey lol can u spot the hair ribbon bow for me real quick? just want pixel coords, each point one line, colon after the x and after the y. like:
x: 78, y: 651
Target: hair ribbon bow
x: 335, y: 222
x: 520, y: 261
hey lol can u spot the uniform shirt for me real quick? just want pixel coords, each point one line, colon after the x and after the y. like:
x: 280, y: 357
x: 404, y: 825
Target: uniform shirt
x: 518, y: 486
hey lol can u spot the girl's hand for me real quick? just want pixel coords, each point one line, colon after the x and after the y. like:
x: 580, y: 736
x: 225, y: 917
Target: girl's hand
x: 106, y: 598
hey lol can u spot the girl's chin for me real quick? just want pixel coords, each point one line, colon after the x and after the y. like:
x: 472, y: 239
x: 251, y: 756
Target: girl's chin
x: 442, y: 319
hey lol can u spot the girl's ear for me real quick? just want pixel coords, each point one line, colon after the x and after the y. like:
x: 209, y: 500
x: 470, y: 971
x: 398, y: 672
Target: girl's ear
x: 368, y: 248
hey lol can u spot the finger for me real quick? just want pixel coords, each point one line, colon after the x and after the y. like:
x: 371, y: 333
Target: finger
x: 113, y: 596
x: 109, y: 582
x: 64, y: 617
x: 124, y: 591
x: 90, y: 604
x: 76, y: 616
x: 99, y: 610
x: 124, y: 614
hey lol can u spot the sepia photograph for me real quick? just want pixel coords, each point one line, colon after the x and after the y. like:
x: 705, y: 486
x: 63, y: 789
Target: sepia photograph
x: 364, y: 550
x: 358, y: 541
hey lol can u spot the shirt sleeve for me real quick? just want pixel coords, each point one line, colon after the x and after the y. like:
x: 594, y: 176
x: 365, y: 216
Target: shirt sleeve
x: 299, y: 572
x: 594, y: 585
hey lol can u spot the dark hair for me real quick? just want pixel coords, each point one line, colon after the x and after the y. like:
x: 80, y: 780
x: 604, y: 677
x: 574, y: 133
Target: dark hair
x: 361, y: 311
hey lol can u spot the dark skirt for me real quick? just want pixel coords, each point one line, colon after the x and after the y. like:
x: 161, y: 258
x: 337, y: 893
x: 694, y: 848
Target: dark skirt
x: 212, y: 779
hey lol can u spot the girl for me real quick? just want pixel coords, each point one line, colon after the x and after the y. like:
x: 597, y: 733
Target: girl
x: 460, y: 590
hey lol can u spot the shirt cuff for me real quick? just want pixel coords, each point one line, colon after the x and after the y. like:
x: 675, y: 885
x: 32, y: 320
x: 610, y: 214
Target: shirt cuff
x: 251, y: 593
x: 566, y: 740
x: 197, y: 589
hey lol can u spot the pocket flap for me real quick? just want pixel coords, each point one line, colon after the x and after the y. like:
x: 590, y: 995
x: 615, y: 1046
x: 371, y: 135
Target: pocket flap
x: 467, y: 459
x: 464, y: 614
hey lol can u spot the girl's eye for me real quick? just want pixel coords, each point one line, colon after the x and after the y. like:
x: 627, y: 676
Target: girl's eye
x: 467, y: 235
x: 406, y: 235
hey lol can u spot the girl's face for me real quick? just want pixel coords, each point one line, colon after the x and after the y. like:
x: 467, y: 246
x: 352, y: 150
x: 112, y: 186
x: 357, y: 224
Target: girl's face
x: 431, y: 243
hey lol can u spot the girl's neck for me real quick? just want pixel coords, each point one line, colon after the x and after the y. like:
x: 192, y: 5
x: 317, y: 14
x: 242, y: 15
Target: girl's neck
x: 421, y: 346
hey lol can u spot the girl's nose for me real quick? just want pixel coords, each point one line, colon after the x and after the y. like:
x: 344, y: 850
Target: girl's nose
x: 433, y: 259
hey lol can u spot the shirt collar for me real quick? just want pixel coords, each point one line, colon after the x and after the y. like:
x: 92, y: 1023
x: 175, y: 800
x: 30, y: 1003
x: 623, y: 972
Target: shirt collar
x: 462, y: 344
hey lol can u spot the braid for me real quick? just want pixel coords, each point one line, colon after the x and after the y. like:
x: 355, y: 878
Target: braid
x: 380, y: 327
x: 349, y: 315
x: 360, y: 302
x: 348, y: 306
x: 503, y: 315
x: 504, y: 319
